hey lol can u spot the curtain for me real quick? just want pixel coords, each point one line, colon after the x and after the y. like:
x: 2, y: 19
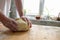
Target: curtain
x: 12, y: 13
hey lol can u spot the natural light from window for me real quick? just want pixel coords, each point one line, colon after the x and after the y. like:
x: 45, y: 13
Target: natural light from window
x: 31, y: 7
x: 52, y: 7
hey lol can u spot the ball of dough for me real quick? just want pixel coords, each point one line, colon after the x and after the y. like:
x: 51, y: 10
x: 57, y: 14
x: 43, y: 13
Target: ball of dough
x: 22, y: 25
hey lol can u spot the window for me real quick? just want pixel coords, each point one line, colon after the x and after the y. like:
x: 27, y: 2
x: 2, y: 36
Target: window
x: 45, y: 8
x: 51, y: 8
x: 31, y: 7
x: 48, y: 8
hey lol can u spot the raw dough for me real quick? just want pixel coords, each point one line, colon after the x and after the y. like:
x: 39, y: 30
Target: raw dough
x: 22, y: 25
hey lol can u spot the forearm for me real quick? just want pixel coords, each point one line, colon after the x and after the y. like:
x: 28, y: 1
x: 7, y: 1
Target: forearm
x: 2, y: 17
x: 19, y: 7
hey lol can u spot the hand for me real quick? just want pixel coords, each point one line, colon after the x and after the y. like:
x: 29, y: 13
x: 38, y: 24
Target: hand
x: 10, y: 23
x: 27, y: 20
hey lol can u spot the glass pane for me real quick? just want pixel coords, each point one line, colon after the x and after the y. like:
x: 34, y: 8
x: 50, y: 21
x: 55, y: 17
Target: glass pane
x: 31, y: 7
x: 51, y: 8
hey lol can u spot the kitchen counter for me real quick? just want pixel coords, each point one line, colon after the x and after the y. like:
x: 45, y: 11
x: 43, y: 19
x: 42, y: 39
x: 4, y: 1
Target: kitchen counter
x: 37, y: 32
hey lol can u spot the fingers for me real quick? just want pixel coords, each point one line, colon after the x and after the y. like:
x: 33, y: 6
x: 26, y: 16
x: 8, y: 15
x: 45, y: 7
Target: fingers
x: 9, y: 26
x: 14, y: 25
x: 23, y: 18
x: 27, y: 20
x: 29, y: 23
x: 14, y: 22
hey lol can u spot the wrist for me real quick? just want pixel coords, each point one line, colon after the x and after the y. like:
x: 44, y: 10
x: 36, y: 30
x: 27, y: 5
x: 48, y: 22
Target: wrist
x: 2, y: 16
x: 3, y: 19
x: 21, y: 13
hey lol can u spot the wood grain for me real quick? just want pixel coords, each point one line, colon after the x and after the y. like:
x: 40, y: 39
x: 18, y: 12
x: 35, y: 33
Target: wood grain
x: 37, y: 32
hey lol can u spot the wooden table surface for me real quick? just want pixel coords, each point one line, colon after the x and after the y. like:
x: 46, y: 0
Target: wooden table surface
x: 37, y: 32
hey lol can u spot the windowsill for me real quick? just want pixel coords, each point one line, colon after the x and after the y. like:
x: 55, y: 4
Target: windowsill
x: 44, y: 22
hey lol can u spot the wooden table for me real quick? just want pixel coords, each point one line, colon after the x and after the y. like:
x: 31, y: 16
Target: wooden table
x: 37, y: 32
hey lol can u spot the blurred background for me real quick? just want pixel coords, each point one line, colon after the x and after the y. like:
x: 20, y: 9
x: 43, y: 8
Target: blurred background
x: 47, y: 10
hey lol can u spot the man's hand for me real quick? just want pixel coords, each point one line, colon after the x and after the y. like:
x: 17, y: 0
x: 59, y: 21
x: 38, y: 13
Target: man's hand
x: 27, y: 20
x: 10, y: 23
